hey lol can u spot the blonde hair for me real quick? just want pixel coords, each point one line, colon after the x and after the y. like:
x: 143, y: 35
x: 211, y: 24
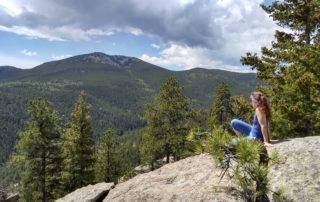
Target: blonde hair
x: 261, y: 101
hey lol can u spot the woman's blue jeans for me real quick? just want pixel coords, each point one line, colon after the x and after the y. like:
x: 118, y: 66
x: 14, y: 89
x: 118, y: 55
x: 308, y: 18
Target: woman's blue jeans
x: 243, y: 128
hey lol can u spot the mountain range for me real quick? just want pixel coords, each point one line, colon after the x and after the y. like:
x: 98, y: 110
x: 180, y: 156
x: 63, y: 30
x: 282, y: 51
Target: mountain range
x: 116, y: 87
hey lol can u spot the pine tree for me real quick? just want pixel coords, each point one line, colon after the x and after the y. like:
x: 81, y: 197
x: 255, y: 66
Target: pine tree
x: 176, y: 117
x: 244, y: 161
x: 108, y: 159
x: 291, y: 67
x: 153, y: 138
x: 168, y: 123
x: 78, y: 148
x: 220, y: 113
x: 128, y: 153
x: 39, y: 153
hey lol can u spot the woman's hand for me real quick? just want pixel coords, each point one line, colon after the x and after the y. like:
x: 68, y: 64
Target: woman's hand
x: 267, y: 144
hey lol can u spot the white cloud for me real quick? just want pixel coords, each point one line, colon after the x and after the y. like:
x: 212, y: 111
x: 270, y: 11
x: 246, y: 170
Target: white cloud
x: 184, y: 2
x: 24, y: 63
x: 194, y: 23
x: 56, y: 34
x: 242, y: 26
x: 76, y: 34
x: 181, y: 57
x: 224, y: 3
x: 98, y: 32
x: 28, y: 53
x: 132, y: 30
x: 60, y: 57
x: 156, y: 46
x: 30, y: 33
x: 10, y: 7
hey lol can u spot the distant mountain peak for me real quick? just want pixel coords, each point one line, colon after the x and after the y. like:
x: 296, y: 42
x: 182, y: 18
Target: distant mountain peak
x: 102, y: 58
x: 8, y: 69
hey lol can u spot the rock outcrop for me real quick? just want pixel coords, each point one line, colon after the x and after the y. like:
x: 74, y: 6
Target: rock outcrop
x: 191, y: 179
x: 90, y: 193
x: 299, y: 174
x: 197, y: 178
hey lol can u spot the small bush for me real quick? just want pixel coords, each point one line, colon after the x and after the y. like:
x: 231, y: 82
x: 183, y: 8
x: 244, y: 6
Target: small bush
x: 248, y: 160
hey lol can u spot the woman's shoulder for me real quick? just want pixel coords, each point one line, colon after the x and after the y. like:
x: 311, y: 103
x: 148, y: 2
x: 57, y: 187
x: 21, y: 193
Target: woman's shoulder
x: 259, y: 110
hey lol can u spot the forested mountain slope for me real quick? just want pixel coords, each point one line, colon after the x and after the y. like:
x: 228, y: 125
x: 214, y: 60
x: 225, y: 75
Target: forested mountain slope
x: 116, y: 87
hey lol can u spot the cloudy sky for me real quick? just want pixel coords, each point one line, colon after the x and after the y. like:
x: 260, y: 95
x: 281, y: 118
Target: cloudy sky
x: 175, y: 34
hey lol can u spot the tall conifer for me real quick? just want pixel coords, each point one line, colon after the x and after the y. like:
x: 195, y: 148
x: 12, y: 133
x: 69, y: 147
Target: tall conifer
x: 168, y: 122
x: 108, y: 159
x: 152, y: 144
x: 175, y: 114
x: 78, y: 148
x: 39, y: 153
x: 220, y: 113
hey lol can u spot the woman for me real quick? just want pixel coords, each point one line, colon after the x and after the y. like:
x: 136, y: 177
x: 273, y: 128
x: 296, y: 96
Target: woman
x: 259, y: 129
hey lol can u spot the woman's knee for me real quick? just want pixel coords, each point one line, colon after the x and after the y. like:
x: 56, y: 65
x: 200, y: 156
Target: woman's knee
x: 234, y: 123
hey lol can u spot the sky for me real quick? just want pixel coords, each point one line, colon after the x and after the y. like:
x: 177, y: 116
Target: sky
x: 175, y: 34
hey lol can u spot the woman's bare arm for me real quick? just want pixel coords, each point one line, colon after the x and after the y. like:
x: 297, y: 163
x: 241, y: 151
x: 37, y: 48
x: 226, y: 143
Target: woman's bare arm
x: 264, y: 126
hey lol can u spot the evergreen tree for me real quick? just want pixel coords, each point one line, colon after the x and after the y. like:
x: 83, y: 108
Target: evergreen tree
x: 291, y: 67
x: 176, y: 117
x: 108, y: 159
x: 153, y: 138
x: 38, y: 152
x: 78, y: 148
x: 168, y: 122
x: 220, y: 113
x: 129, y: 145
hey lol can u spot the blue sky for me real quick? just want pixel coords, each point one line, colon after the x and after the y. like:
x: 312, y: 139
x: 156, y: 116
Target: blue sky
x: 178, y: 34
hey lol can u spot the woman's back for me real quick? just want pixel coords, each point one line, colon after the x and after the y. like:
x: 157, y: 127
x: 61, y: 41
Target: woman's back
x: 256, y: 129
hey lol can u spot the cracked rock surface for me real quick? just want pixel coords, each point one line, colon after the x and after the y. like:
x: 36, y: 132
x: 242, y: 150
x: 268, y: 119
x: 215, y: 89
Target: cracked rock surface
x: 299, y: 174
x: 196, y: 179
x: 192, y: 179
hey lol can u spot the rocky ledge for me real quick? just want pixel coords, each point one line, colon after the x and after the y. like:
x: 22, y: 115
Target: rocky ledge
x: 299, y: 174
x: 90, y: 193
x: 197, y: 178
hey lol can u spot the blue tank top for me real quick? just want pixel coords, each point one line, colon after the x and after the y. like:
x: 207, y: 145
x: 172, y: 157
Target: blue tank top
x: 256, y: 129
